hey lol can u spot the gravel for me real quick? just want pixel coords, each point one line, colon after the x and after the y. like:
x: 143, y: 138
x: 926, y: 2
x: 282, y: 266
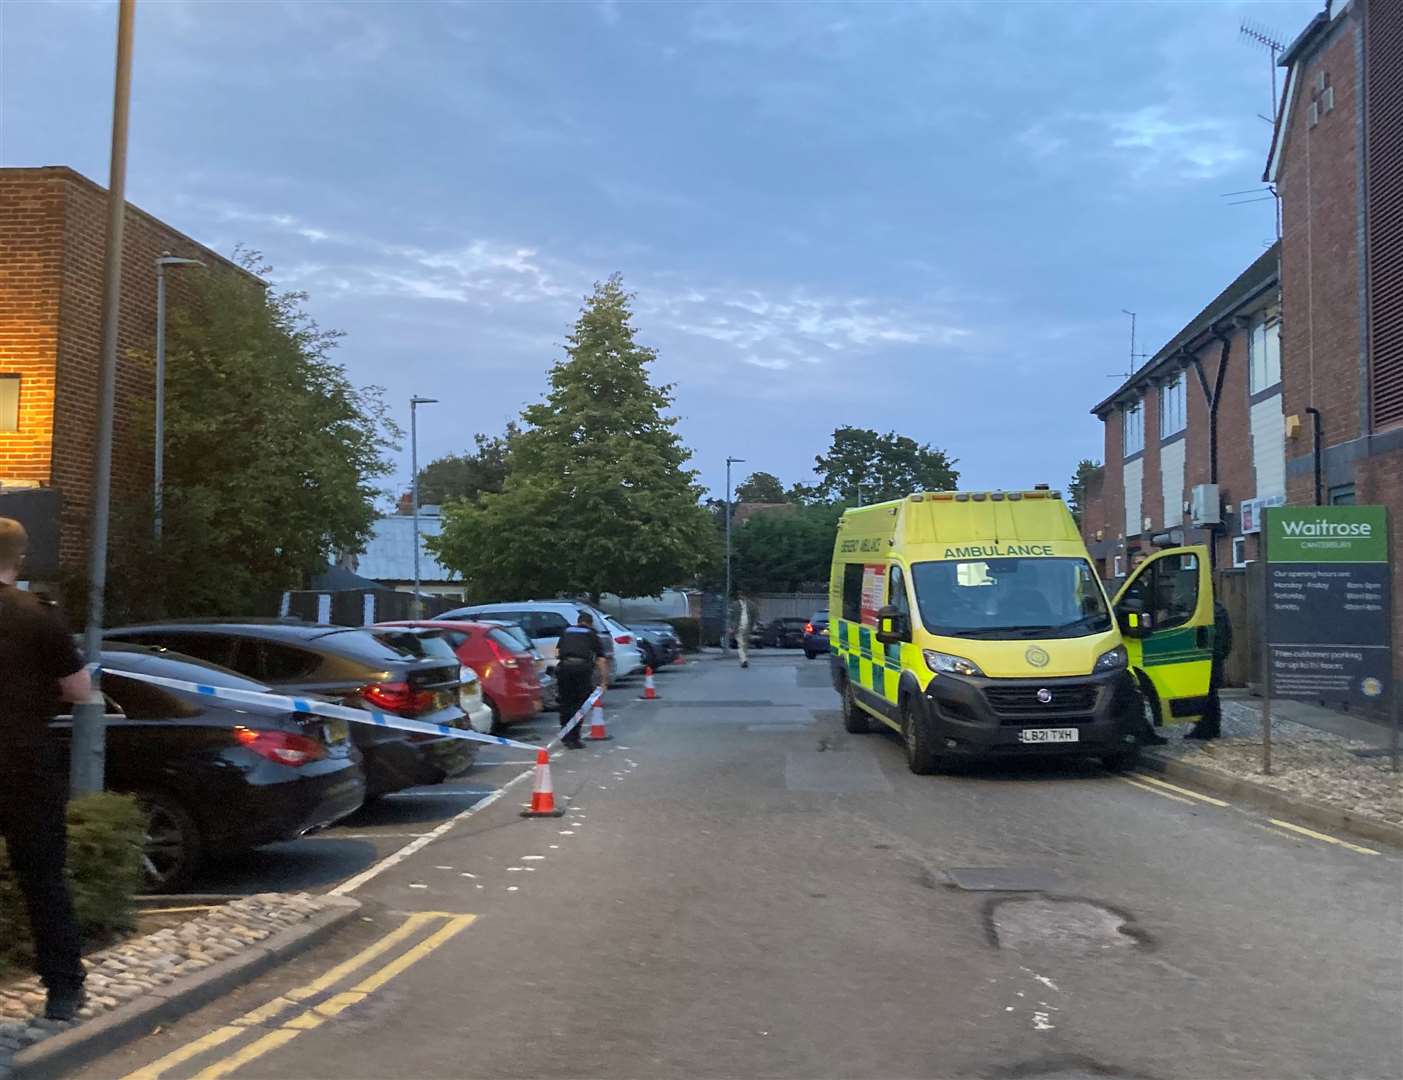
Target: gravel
x: 1314, y: 764
x: 138, y: 965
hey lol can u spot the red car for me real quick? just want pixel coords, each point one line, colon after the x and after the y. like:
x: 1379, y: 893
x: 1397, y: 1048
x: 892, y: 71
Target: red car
x: 507, y: 671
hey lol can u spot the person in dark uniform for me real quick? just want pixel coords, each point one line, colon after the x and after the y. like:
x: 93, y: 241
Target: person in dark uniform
x: 1210, y: 724
x: 578, y: 657
x: 39, y: 669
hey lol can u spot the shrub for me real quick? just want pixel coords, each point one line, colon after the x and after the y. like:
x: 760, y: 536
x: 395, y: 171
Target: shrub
x: 689, y: 631
x: 104, y: 871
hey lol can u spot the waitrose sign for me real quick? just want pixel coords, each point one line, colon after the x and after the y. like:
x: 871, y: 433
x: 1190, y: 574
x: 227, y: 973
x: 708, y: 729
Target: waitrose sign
x: 1349, y: 534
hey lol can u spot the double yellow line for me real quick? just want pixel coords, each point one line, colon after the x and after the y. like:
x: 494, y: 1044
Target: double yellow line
x: 306, y: 1019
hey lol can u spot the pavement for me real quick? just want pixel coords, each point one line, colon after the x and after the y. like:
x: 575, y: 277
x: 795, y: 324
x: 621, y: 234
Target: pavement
x: 742, y: 889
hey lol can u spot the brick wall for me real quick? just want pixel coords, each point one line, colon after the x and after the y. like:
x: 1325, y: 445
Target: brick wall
x: 31, y: 244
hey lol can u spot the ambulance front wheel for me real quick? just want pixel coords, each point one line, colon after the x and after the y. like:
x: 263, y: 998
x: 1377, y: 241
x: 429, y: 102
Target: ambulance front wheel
x: 916, y: 732
x: 855, y: 721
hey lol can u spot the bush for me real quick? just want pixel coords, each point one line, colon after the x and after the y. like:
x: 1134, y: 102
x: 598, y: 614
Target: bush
x: 689, y: 631
x: 105, y: 834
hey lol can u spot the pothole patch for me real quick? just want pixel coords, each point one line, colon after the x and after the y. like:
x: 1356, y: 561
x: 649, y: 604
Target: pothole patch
x: 1066, y: 925
x: 1003, y: 878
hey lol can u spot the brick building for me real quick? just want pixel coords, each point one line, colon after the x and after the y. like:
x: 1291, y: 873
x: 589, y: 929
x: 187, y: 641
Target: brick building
x: 52, y: 240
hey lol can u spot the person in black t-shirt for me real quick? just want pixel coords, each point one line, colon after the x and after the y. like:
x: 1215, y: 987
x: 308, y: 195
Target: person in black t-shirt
x: 39, y: 669
x: 578, y: 657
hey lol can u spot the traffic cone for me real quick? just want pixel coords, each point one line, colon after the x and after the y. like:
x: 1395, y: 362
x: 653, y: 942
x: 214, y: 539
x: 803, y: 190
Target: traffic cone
x: 649, y: 693
x: 679, y: 662
x: 597, y: 731
x: 543, y: 794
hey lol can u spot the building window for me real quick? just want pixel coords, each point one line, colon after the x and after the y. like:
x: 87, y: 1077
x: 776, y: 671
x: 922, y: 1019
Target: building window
x: 1264, y: 354
x: 9, y: 402
x: 1133, y: 419
x: 1342, y: 495
x: 1239, y: 551
x: 1118, y: 566
x: 1171, y: 407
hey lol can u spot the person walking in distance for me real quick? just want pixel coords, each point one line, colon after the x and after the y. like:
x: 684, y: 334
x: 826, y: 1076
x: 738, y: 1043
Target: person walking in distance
x: 1210, y: 725
x: 579, y: 657
x: 743, y: 633
x: 39, y: 669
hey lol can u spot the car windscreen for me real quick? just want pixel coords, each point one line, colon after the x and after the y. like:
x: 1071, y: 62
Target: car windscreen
x: 1010, y: 598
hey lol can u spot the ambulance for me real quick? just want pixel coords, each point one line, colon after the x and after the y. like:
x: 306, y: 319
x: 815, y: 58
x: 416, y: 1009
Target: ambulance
x: 974, y: 625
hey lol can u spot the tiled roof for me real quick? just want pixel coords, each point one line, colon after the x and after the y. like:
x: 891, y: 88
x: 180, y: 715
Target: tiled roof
x: 389, y: 553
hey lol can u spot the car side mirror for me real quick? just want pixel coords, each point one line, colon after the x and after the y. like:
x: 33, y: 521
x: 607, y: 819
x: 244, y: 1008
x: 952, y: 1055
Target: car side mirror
x: 892, y: 626
x: 1131, y: 618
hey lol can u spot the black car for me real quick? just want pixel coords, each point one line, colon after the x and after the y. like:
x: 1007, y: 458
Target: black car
x: 659, y: 644
x: 816, y: 635
x: 216, y: 777
x: 405, y: 671
x: 786, y: 632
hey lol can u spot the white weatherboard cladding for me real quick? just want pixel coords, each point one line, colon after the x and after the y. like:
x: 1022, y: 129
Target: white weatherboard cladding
x: 1171, y: 465
x: 1269, y: 447
x: 1134, y: 475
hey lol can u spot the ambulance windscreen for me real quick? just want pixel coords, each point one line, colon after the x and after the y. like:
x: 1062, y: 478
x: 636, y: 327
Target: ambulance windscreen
x: 1010, y: 598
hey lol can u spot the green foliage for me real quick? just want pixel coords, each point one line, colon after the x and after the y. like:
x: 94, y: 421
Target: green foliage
x: 597, y: 497
x: 761, y: 487
x: 272, y: 457
x: 104, y: 870
x: 1087, y: 470
x: 469, y: 475
x: 785, y: 551
x: 882, y: 467
x: 688, y: 632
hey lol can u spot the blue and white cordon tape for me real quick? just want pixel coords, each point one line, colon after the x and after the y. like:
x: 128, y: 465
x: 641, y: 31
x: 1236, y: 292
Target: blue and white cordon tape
x: 343, y: 712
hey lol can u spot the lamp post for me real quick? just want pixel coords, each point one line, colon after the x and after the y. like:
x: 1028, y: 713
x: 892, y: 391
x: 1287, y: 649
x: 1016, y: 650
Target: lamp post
x: 726, y: 602
x: 414, y: 404
x: 89, y: 752
x: 158, y: 492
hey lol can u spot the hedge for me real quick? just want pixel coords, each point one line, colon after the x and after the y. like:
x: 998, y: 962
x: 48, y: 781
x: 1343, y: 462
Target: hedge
x: 688, y: 631
x: 105, y: 834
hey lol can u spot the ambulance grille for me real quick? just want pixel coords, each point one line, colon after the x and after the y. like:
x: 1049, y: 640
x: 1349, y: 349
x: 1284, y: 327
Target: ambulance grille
x: 1022, y: 701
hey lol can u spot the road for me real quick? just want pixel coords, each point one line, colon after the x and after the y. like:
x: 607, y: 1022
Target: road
x: 742, y: 889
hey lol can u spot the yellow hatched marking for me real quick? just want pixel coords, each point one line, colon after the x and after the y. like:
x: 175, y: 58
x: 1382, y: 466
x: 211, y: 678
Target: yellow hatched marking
x: 1154, y: 791
x: 1321, y: 836
x: 1183, y: 791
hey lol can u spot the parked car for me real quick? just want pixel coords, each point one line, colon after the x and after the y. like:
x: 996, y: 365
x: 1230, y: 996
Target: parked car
x: 757, y: 636
x: 542, y: 619
x: 786, y: 632
x: 544, y: 676
x: 408, y: 672
x: 504, y: 666
x: 660, y: 645
x: 628, y: 655
x: 816, y: 635
x: 216, y: 777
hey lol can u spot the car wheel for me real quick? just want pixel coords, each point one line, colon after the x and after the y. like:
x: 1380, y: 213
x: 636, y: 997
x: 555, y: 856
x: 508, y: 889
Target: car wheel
x: 921, y: 757
x: 855, y: 721
x: 1149, y: 702
x: 171, y: 848
x: 1122, y: 760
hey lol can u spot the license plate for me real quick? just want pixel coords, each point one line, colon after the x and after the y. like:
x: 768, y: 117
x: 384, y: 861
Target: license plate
x: 1049, y: 734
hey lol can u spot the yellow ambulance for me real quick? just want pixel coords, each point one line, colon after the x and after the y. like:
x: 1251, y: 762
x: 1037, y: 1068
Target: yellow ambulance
x: 973, y: 624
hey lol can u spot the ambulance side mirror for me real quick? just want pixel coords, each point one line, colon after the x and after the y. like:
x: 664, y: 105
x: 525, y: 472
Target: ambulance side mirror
x: 892, y: 626
x: 1131, y: 618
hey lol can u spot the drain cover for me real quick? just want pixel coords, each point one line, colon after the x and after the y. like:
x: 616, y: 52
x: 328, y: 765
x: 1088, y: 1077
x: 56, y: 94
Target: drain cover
x: 1003, y: 878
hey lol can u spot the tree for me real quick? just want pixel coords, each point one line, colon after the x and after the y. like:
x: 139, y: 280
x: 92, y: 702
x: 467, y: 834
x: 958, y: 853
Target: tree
x: 272, y: 457
x: 785, y: 552
x: 761, y: 487
x: 469, y: 475
x: 1087, y: 472
x: 862, y: 466
x: 597, y: 498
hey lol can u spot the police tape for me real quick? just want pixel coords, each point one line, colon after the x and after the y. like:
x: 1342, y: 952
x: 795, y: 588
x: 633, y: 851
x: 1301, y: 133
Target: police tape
x: 579, y: 716
x: 339, y: 712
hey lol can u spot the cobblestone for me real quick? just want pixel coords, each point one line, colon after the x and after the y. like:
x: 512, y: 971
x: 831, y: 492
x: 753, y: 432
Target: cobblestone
x: 128, y: 970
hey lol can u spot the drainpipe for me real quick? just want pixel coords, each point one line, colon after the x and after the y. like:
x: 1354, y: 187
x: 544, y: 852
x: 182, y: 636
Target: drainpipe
x: 1315, y: 453
x: 1214, y: 396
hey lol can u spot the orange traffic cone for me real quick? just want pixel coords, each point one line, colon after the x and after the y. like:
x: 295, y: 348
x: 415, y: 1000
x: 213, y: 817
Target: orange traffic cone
x: 543, y: 794
x: 597, y: 731
x: 649, y: 693
x: 679, y: 662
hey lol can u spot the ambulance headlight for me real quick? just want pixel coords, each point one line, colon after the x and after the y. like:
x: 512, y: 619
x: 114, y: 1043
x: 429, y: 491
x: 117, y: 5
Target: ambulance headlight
x: 1113, y: 660
x: 945, y: 664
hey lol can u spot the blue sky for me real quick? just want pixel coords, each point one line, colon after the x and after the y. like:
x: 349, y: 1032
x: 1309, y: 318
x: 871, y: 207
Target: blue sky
x: 924, y: 218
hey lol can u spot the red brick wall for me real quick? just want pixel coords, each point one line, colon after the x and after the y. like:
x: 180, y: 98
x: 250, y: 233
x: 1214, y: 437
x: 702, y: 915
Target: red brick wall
x: 1236, y: 475
x: 1318, y: 182
x: 31, y: 244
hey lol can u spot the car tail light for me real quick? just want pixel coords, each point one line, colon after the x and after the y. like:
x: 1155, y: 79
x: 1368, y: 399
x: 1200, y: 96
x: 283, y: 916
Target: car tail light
x: 397, y: 697
x: 623, y: 639
x: 507, y: 659
x: 281, y: 746
x: 808, y: 628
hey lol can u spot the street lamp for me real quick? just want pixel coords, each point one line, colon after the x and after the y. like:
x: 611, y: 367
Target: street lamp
x: 726, y: 603
x: 414, y: 404
x: 159, y: 481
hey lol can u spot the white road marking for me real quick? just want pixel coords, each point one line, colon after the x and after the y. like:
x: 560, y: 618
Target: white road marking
x: 511, y: 868
x: 443, y: 868
x: 416, y: 885
x: 513, y: 888
x: 466, y: 874
x: 532, y: 858
x: 555, y: 847
x: 1040, y: 1022
x: 566, y: 832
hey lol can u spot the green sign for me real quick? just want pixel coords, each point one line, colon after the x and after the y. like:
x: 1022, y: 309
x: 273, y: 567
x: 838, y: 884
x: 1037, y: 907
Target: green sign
x: 1336, y: 534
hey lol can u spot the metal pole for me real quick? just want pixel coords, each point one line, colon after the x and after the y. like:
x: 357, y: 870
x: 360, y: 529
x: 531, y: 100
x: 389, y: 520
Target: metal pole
x: 89, y: 736
x: 1393, y: 734
x: 1266, y: 645
x: 414, y: 403
x: 159, y: 472
x: 726, y: 599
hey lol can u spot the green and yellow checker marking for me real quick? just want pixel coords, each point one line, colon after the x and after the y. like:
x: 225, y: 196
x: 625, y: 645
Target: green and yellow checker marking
x: 871, y: 664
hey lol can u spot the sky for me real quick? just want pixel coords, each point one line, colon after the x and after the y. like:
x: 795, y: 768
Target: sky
x: 921, y: 218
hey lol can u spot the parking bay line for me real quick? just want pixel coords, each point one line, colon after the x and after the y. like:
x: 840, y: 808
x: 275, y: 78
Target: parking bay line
x: 282, y: 1002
